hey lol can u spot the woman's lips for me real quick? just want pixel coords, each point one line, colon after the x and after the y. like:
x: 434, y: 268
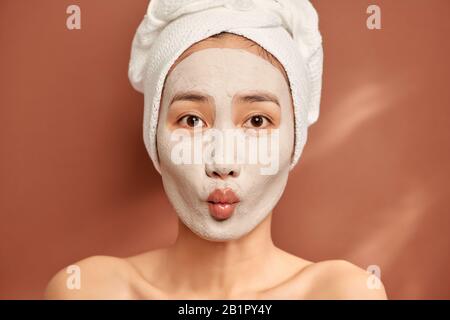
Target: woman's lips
x: 221, y: 203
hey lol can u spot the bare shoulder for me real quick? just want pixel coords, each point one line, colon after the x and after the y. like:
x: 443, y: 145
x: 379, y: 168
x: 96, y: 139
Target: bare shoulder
x: 96, y: 277
x: 340, y: 279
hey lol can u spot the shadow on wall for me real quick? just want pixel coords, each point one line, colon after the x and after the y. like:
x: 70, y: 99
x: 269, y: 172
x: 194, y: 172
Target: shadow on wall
x: 372, y: 186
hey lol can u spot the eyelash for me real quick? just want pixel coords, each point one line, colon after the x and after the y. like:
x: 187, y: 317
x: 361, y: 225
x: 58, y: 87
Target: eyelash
x: 191, y: 115
x: 259, y: 115
x: 185, y: 116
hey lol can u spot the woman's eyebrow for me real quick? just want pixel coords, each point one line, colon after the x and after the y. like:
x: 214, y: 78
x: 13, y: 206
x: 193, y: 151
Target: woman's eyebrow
x: 259, y: 96
x: 193, y: 96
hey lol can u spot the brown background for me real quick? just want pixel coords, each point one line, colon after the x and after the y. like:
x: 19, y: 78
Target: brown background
x: 372, y: 186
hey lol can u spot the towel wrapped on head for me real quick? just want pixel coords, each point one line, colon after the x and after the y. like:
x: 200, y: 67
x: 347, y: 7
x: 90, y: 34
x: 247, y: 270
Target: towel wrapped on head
x: 287, y: 29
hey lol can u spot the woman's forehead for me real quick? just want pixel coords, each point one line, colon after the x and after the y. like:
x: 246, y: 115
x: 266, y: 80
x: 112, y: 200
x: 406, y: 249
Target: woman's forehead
x: 232, y: 41
x: 228, y: 68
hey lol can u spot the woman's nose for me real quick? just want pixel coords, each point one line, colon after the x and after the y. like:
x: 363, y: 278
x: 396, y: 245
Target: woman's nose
x: 222, y: 171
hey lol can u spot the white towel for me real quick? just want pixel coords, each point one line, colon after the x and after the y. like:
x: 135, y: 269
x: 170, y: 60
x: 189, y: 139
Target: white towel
x: 288, y: 29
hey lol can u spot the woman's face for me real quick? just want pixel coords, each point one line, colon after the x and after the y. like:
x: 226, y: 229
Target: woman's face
x: 225, y: 139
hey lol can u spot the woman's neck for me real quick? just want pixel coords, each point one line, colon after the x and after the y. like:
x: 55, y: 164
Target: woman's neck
x: 227, y: 268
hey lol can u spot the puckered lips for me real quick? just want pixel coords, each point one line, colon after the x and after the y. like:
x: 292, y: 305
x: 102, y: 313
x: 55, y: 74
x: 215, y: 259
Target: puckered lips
x: 221, y: 203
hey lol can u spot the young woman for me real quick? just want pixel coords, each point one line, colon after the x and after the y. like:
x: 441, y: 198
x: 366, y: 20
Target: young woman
x: 223, y: 81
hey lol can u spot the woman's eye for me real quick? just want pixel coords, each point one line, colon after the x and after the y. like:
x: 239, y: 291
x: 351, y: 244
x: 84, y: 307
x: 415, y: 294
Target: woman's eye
x: 191, y: 121
x: 257, y: 121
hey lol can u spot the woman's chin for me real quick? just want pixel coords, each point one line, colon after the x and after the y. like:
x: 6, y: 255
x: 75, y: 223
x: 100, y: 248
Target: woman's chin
x: 211, y: 228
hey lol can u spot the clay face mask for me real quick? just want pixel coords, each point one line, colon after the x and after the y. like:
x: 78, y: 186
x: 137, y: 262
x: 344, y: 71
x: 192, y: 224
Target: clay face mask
x: 215, y: 90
